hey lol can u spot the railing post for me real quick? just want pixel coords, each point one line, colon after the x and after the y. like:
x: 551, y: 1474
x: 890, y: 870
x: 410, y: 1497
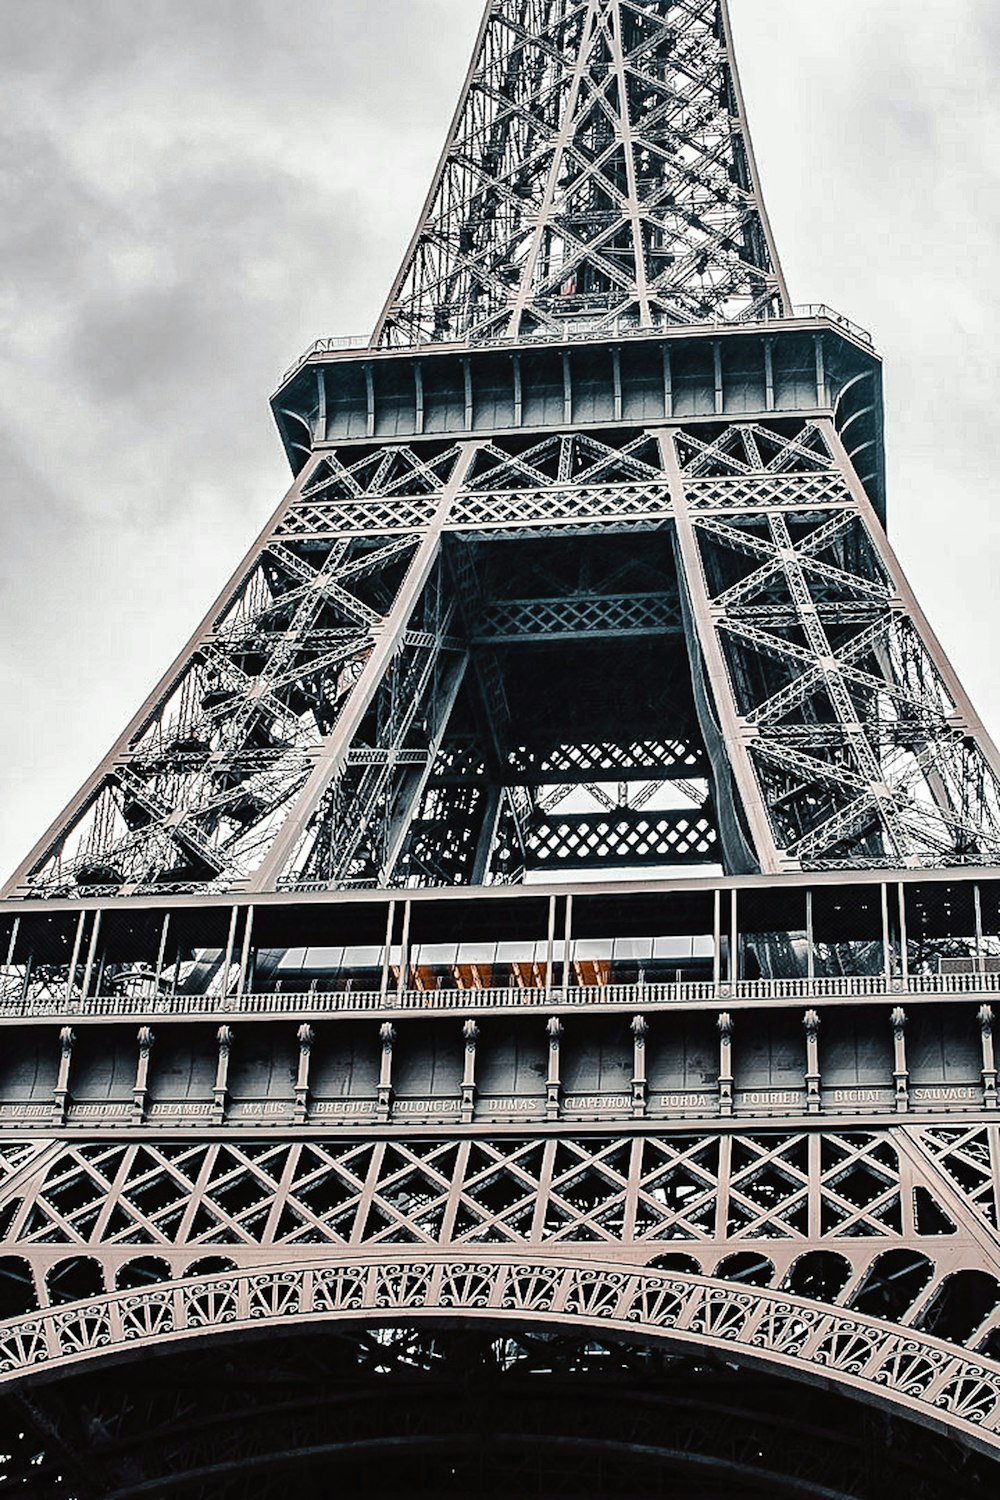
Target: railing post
x: 900, y: 1070
x: 814, y: 1096
x: 989, y: 1057
x: 725, y: 1028
x: 220, y: 1094
x: 306, y: 1038
x: 553, y: 1082
x: 470, y: 1035
x: 140, y: 1093
x: 387, y: 1036
x: 639, y: 1028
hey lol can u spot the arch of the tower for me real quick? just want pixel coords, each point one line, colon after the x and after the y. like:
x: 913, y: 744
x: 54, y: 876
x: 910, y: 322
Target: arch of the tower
x: 488, y: 1375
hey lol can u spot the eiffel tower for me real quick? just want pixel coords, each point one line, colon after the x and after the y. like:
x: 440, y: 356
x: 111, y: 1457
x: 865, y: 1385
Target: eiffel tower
x: 513, y: 1012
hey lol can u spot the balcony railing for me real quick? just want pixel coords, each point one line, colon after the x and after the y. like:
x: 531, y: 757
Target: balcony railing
x: 582, y: 333
x: 300, y: 1004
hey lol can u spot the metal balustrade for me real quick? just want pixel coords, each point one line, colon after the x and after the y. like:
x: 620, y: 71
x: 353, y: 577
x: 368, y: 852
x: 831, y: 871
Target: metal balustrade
x: 809, y: 311
x: 694, y: 994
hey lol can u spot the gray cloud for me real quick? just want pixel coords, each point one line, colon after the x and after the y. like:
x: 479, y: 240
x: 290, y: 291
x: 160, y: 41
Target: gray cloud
x: 191, y: 192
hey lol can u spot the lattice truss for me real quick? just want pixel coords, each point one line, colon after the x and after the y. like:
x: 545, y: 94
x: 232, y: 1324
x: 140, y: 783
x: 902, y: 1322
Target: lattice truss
x: 345, y: 716
x: 193, y: 799
x: 482, y: 808
x: 882, y: 1221
x: 860, y: 750
x: 599, y: 174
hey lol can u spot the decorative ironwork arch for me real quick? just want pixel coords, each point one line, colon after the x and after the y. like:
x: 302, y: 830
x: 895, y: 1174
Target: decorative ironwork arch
x: 935, y: 1384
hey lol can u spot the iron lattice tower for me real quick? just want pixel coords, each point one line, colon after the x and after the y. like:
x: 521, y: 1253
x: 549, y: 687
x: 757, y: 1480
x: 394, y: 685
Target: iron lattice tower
x: 532, y: 956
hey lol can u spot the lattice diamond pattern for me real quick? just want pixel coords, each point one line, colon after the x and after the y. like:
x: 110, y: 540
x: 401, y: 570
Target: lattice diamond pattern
x: 599, y: 174
x: 855, y: 740
x: 775, y: 1186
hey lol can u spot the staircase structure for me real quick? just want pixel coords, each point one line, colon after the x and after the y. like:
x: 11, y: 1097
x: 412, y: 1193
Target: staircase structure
x: 513, y: 1012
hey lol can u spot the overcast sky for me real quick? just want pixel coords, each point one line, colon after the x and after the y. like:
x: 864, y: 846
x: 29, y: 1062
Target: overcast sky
x: 193, y: 190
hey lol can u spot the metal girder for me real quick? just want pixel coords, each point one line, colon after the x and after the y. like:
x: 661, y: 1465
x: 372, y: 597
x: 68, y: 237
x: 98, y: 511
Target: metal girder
x: 507, y: 621
x: 622, y: 836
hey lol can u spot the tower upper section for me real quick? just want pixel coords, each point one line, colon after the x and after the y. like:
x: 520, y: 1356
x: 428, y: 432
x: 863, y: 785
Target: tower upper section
x: 598, y: 174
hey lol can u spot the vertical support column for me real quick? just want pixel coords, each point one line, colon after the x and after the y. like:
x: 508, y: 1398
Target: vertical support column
x: 88, y: 969
x: 161, y: 953
x: 640, y: 1029
x: 567, y: 973
x: 769, y: 375
x: 734, y: 938
x: 487, y: 833
x: 814, y: 1095
x: 822, y: 395
x: 306, y: 1039
x: 390, y: 916
x: 404, y: 953
x: 810, y: 939
x: 467, y: 383
x: 74, y: 961
x: 140, y: 1093
x: 319, y: 431
x: 12, y: 944
x: 220, y: 1094
x: 470, y: 1035
x: 370, y: 398
x: 616, y: 375
x: 553, y: 1082
x: 567, y: 375
x: 900, y: 1069
x: 241, y: 982
x: 515, y: 365
x: 418, y: 394
x: 668, y: 384
x: 387, y: 1036
x: 989, y: 1057
x: 550, y: 944
x: 725, y: 1029
x: 15, y: 928
x: 67, y: 1041
x: 720, y: 394
x: 227, y: 962
x: 716, y: 938
x: 977, y: 903
x: 29, y: 964
x: 887, y: 964
x: 904, y: 937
